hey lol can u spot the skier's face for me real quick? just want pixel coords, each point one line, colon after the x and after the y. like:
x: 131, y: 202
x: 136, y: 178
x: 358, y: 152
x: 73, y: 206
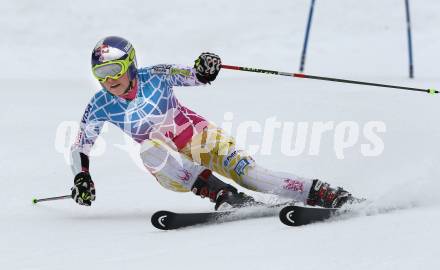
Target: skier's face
x: 117, y: 87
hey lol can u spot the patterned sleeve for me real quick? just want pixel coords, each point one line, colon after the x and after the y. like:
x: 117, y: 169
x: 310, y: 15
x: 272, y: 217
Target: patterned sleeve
x: 89, y: 130
x: 177, y: 75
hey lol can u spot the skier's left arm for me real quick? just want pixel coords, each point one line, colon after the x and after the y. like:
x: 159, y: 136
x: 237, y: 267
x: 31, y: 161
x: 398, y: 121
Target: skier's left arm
x: 205, y: 70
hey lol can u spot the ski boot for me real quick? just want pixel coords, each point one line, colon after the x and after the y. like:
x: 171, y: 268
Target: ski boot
x: 220, y: 193
x: 321, y: 194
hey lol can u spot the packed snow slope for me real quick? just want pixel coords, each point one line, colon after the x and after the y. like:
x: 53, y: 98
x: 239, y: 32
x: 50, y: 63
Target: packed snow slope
x: 46, y: 81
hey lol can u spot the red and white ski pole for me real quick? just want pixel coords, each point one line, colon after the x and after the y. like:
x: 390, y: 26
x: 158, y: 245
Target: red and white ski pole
x: 305, y: 76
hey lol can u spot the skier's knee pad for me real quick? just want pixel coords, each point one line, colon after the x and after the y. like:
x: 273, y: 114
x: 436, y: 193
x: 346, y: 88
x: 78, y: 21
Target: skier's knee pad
x: 236, y: 164
x: 156, y: 155
x: 171, y: 169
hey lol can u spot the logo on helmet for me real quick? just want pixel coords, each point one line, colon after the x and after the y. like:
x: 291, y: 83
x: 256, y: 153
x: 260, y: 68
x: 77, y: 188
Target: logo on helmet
x: 100, y: 50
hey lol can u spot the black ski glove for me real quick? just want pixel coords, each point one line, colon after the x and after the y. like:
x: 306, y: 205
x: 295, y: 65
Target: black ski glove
x: 207, y: 67
x: 83, y: 191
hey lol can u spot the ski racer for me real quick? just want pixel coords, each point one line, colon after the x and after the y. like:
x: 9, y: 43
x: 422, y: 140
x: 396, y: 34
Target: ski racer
x: 178, y: 146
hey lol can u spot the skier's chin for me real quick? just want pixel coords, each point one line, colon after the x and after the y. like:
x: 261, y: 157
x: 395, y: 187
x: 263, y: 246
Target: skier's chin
x: 117, y: 89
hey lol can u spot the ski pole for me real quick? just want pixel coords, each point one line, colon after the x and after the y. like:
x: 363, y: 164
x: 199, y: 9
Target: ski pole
x: 35, y: 201
x: 305, y: 76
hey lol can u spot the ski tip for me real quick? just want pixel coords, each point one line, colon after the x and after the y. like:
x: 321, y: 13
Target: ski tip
x: 161, y: 219
x: 287, y: 216
x: 299, y: 215
x: 34, y: 201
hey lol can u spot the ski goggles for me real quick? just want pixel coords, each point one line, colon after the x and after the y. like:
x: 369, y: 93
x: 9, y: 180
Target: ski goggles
x: 113, y: 69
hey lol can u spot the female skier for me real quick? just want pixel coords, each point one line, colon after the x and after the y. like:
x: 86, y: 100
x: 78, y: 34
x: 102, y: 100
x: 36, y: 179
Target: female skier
x: 178, y: 146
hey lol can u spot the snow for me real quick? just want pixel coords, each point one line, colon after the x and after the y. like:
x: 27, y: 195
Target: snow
x: 46, y: 80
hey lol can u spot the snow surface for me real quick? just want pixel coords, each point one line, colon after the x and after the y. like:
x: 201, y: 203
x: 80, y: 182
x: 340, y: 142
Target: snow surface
x: 46, y: 80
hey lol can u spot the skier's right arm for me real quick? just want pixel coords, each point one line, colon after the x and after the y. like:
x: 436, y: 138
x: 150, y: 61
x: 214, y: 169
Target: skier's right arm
x: 83, y: 191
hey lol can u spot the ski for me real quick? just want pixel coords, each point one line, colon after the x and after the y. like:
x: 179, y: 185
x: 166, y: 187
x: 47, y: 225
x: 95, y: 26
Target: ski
x: 167, y: 220
x: 293, y: 215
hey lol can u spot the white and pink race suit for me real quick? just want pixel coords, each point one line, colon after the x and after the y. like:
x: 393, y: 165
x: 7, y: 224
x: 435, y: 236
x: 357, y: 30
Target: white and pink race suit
x: 170, y: 133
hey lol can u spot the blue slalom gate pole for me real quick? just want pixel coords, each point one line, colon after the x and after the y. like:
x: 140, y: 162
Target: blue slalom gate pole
x: 306, y: 38
x: 410, y: 52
